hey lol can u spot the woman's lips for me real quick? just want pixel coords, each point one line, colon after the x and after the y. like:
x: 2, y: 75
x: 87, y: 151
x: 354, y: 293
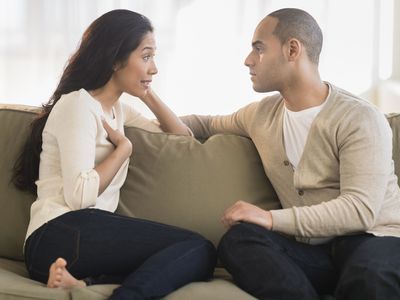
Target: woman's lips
x: 146, y: 83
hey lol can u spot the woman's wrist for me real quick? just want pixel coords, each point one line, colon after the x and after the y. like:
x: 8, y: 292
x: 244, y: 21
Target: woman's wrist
x: 125, y: 147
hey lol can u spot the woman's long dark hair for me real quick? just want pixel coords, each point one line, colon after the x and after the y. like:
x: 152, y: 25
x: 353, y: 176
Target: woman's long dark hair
x: 106, y: 43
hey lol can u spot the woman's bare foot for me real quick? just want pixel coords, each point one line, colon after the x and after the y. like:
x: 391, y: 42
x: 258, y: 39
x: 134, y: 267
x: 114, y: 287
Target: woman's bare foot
x: 59, y: 277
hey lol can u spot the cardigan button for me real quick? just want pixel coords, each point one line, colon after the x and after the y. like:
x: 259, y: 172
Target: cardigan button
x: 286, y: 162
x: 301, y: 192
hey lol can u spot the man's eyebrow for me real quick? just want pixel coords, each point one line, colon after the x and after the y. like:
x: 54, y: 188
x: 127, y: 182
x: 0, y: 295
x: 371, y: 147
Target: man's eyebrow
x: 257, y: 43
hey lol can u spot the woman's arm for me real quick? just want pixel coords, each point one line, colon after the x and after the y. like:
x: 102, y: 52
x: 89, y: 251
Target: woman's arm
x: 169, y: 122
x: 113, y: 162
x: 83, y: 181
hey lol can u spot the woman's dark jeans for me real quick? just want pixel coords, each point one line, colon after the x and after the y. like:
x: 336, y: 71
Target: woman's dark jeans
x: 269, y: 265
x: 148, y: 259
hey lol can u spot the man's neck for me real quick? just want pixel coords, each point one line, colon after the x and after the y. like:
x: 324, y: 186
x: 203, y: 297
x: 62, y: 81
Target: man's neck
x: 301, y: 96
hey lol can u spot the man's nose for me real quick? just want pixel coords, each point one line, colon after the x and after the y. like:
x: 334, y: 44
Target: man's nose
x: 248, y: 61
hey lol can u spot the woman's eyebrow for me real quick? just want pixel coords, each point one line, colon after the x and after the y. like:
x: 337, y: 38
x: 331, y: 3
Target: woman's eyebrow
x: 148, y: 48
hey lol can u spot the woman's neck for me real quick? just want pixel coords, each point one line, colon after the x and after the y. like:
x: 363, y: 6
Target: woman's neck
x: 107, y: 95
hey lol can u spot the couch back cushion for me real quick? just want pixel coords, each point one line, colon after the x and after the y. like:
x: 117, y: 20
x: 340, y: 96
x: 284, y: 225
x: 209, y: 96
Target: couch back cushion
x: 177, y: 180
x: 172, y: 179
x: 14, y: 205
x: 394, y: 121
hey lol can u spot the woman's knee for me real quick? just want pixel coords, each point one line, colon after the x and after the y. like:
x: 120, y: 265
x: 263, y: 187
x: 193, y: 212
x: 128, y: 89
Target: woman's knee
x: 205, y: 248
x: 201, y: 256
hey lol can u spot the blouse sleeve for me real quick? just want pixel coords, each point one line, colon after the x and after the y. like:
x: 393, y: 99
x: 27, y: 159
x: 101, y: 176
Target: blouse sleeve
x: 75, y: 129
x: 132, y: 118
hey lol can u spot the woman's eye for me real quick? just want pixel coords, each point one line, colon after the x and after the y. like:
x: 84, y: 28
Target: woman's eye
x: 148, y: 57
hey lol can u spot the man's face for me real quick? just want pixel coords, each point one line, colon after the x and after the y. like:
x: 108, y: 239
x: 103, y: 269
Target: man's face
x: 266, y: 60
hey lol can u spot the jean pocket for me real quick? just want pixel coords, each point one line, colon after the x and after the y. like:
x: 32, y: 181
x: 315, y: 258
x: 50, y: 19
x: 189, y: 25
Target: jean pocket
x: 55, y: 240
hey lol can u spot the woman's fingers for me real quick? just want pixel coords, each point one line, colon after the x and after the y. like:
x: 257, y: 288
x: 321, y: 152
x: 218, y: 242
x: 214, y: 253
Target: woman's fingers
x: 114, y: 136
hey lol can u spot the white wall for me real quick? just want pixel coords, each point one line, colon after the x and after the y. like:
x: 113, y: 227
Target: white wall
x: 201, y: 46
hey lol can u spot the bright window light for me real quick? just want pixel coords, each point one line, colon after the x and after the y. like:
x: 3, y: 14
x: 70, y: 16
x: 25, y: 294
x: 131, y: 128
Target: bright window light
x: 202, y: 45
x: 386, y: 39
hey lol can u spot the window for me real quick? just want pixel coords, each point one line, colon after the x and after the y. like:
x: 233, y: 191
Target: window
x: 202, y: 45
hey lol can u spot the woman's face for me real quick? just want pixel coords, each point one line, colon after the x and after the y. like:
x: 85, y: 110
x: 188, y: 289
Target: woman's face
x: 135, y: 76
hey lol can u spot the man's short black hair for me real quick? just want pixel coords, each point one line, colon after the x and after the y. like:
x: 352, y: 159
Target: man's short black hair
x: 298, y: 24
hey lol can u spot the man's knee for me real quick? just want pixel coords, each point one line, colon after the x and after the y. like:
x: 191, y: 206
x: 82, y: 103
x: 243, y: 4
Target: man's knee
x: 241, y: 236
x: 235, y: 234
x: 369, y: 280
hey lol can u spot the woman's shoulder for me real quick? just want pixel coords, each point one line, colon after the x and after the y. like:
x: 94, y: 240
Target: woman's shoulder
x: 77, y: 105
x: 76, y: 100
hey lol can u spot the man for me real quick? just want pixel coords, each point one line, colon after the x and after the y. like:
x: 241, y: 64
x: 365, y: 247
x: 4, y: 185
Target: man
x: 328, y: 155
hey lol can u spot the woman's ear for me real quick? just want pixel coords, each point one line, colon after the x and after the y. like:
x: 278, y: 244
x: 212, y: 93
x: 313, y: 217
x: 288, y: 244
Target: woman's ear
x: 117, y: 66
x: 294, y: 49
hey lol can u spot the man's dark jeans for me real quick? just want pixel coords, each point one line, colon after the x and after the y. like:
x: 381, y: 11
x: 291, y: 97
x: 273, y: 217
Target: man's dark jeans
x: 269, y: 265
x: 149, y: 259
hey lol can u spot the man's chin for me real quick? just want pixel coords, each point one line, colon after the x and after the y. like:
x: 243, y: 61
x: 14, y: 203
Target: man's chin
x: 258, y: 89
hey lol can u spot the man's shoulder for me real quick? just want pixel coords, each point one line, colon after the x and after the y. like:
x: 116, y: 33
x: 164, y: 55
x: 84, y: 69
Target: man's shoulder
x: 347, y: 99
x: 349, y: 108
x: 267, y: 104
x: 272, y: 99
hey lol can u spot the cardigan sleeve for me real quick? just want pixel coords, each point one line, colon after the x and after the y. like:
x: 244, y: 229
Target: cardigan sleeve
x: 365, y: 154
x: 237, y: 123
x: 74, y: 126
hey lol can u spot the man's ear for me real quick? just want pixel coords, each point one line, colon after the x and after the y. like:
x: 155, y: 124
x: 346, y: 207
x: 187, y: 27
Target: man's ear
x: 294, y: 49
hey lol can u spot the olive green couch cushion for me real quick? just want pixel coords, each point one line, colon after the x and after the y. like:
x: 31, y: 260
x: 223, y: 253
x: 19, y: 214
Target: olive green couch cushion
x: 14, y: 285
x: 177, y: 180
x: 14, y: 205
x: 394, y: 122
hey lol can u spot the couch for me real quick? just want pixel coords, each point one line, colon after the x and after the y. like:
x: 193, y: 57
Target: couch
x: 171, y: 179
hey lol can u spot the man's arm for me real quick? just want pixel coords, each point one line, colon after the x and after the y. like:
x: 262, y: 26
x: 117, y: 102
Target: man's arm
x: 237, y: 123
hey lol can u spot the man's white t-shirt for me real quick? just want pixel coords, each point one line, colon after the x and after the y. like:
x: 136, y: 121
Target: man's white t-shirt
x: 296, y: 125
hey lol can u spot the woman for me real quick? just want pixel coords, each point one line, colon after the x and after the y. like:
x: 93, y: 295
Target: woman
x: 74, y: 237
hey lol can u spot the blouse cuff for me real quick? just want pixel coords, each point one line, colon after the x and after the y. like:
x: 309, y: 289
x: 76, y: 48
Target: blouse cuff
x: 86, y: 189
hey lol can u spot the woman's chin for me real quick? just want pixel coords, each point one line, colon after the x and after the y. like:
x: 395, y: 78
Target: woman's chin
x: 137, y: 92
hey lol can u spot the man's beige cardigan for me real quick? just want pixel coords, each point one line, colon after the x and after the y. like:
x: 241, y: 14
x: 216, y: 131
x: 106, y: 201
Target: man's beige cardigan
x: 345, y: 181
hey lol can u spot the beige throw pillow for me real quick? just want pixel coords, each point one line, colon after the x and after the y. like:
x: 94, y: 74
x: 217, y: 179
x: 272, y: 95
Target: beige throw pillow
x: 177, y: 180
